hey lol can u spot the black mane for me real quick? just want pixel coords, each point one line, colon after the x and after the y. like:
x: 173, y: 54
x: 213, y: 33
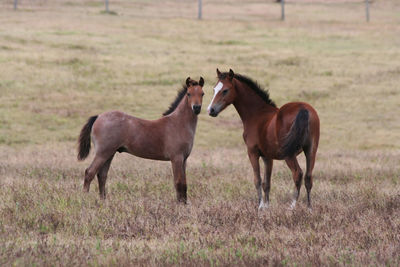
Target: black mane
x: 264, y: 94
x: 172, y: 107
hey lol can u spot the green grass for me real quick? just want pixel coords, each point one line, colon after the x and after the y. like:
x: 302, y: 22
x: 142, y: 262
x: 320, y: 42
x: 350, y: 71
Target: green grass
x: 60, y: 73
x: 64, y: 61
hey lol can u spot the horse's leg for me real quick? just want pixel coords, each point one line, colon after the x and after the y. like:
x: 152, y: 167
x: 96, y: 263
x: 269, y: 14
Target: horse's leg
x: 254, y: 160
x: 297, y: 178
x: 92, y: 171
x: 178, y: 168
x: 102, y: 177
x: 266, y: 185
x: 310, y: 153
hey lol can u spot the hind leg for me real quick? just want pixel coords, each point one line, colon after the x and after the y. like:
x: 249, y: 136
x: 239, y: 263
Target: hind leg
x: 310, y: 153
x: 92, y: 171
x: 297, y: 178
x: 102, y: 177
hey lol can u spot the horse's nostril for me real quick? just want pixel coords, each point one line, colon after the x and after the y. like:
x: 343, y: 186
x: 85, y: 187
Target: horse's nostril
x: 197, y: 109
x: 213, y: 112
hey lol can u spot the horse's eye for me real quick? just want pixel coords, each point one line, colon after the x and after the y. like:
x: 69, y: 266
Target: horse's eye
x: 188, y: 95
x: 225, y: 91
x: 202, y: 94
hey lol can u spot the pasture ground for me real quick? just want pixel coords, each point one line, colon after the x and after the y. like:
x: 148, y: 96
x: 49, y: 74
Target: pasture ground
x: 63, y: 61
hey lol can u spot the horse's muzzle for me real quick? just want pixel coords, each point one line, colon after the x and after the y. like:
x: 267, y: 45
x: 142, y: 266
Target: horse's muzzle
x: 212, y: 112
x: 197, y: 109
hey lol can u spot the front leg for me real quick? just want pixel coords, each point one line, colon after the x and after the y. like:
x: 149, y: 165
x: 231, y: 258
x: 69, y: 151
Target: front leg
x: 179, y: 170
x: 254, y: 160
x: 266, y: 185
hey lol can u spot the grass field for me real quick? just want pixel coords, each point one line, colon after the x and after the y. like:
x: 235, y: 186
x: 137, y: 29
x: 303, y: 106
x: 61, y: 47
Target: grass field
x: 63, y: 61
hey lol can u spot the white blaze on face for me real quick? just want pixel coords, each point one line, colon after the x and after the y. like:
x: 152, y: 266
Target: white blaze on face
x: 195, y: 89
x: 216, y: 90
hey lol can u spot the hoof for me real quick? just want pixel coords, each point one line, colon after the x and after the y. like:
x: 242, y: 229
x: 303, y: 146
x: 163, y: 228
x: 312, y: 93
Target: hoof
x: 293, y: 205
x: 263, y: 205
x: 182, y: 200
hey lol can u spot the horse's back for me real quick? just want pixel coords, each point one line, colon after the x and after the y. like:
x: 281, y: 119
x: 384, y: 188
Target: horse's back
x: 113, y: 121
x: 295, y: 107
x: 122, y: 121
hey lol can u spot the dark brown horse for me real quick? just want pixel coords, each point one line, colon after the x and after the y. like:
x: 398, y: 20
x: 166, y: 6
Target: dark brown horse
x: 169, y: 138
x: 270, y: 132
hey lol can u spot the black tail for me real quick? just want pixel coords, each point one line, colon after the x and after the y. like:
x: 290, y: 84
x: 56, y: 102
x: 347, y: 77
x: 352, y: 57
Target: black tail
x: 296, y: 138
x: 84, y: 138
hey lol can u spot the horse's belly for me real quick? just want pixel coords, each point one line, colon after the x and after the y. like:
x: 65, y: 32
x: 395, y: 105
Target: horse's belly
x: 148, y: 156
x: 147, y: 151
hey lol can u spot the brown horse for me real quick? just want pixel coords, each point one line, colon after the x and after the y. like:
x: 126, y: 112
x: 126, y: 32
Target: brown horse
x: 270, y: 132
x: 169, y: 138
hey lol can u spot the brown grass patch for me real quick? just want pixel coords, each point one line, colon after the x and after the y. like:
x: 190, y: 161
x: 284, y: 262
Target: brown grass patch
x: 46, y: 219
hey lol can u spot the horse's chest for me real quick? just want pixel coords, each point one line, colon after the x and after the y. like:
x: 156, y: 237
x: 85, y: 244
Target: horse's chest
x: 251, y: 139
x: 258, y: 141
x: 186, y: 135
x: 252, y: 133
x: 180, y: 141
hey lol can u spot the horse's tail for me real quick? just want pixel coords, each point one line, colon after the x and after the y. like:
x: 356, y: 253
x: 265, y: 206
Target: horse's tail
x: 84, y: 138
x: 298, y: 133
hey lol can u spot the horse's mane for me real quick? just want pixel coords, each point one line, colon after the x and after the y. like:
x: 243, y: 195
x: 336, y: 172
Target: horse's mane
x: 181, y: 94
x: 175, y: 103
x: 264, y: 94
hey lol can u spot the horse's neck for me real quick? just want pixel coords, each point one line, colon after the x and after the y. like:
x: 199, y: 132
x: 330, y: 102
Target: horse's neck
x: 249, y: 105
x: 184, y: 114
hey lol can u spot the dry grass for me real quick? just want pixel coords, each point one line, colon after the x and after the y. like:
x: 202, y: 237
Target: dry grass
x: 63, y: 61
x: 46, y: 220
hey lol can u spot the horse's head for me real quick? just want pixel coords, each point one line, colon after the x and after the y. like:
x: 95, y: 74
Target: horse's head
x: 224, y: 93
x: 195, y: 94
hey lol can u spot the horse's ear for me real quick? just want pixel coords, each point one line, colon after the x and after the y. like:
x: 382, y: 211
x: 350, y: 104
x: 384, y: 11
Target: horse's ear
x: 231, y: 74
x: 201, y: 81
x: 188, y: 81
x: 218, y: 73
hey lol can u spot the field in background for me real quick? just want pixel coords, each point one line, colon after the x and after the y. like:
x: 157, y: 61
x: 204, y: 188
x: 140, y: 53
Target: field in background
x: 63, y: 61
